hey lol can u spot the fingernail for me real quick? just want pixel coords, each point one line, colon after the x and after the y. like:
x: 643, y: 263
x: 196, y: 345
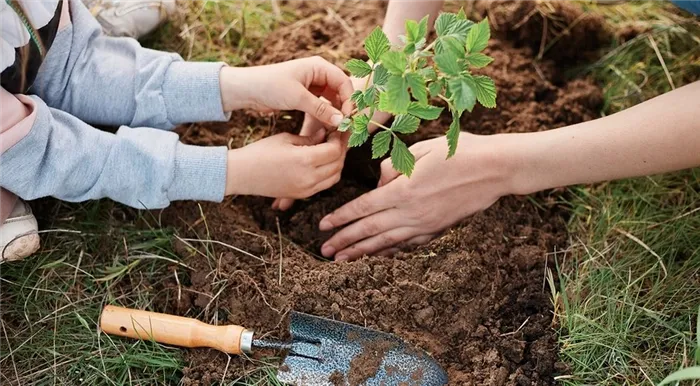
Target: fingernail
x: 325, y: 224
x: 336, y: 119
x: 341, y: 257
x: 327, y: 251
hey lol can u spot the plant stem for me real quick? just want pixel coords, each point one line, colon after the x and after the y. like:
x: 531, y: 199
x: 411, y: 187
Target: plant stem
x: 380, y: 125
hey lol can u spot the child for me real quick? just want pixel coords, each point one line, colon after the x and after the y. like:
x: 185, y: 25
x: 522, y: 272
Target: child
x: 59, y: 72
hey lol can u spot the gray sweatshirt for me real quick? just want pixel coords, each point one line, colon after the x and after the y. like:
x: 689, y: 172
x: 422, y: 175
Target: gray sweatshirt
x: 89, y: 77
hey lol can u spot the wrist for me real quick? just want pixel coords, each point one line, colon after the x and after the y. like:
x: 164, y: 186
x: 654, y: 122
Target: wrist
x: 237, y: 173
x: 524, y: 161
x: 234, y: 88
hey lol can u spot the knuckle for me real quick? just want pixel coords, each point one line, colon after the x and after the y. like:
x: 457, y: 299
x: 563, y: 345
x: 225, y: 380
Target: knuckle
x: 321, y: 108
x: 370, y: 227
x: 387, y: 240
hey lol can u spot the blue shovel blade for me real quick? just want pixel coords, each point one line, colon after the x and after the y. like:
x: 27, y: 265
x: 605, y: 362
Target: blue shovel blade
x: 331, y: 353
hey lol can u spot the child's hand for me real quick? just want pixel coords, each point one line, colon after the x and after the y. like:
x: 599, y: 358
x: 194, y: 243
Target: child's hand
x: 293, y: 85
x: 285, y: 165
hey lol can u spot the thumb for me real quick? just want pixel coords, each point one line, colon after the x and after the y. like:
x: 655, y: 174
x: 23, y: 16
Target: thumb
x: 312, y: 140
x: 319, y: 109
x: 388, y: 173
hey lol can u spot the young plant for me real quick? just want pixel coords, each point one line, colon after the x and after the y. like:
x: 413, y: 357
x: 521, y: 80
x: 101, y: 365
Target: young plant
x: 402, y: 80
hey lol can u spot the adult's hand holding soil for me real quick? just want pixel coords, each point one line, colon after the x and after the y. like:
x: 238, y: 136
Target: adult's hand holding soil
x: 286, y: 165
x: 293, y: 85
x: 407, y: 211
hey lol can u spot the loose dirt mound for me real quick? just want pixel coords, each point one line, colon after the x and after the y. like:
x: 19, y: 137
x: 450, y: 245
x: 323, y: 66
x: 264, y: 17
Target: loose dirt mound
x: 474, y: 298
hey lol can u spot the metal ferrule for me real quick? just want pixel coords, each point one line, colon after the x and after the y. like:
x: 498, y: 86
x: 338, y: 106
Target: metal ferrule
x: 247, y: 341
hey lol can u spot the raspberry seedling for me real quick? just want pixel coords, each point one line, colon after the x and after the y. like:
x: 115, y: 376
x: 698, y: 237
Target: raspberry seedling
x: 402, y: 80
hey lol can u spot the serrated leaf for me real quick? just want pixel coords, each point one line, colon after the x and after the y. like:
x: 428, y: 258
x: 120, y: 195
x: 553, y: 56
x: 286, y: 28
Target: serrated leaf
x: 444, y: 22
x: 453, y: 136
x: 420, y: 44
x: 428, y: 73
x: 402, y: 159
x: 412, y: 31
x: 369, y: 96
x: 417, y: 85
x: 478, y: 60
x: 447, y: 63
x: 462, y: 94
x: 451, y: 29
x: 381, y: 75
x: 376, y: 44
x: 345, y: 125
x: 424, y: 112
x: 380, y: 144
x: 450, y: 44
x: 358, y: 138
x: 409, y: 48
x: 478, y: 36
x: 485, y: 90
x: 435, y: 89
x: 358, y: 68
x: 358, y: 98
x: 395, y: 99
x: 405, y: 124
x: 422, y: 28
x: 360, y: 123
x: 395, y: 62
x: 461, y: 15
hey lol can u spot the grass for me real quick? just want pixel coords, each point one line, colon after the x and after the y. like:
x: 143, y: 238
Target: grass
x: 630, y: 284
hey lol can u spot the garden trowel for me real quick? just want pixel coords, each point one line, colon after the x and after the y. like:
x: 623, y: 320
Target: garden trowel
x: 320, y: 352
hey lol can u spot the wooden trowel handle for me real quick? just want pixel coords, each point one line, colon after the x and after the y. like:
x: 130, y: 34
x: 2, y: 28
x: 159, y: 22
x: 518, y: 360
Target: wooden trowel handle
x: 174, y: 330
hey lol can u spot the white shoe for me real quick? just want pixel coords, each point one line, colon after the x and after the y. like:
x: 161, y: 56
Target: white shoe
x: 132, y: 18
x: 18, y: 234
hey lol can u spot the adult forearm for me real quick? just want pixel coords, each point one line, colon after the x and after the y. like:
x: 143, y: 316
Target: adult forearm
x: 660, y: 135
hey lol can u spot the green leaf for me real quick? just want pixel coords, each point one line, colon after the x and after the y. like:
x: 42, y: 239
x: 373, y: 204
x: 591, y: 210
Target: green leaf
x: 358, y: 98
x: 395, y: 62
x: 360, y: 123
x: 381, y: 75
x: 395, y: 99
x: 478, y: 36
x: 687, y: 373
x: 461, y: 15
x: 381, y: 143
x: 450, y: 44
x: 369, y: 97
x: 447, y: 63
x: 453, y: 135
x: 424, y: 112
x: 444, y: 23
x: 463, y: 95
x: 409, y: 49
x: 435, y: 89
x: 417, y: 85
x: 376, y: 44
x: 405, y: 124
x: 412, y: 31
x: 452, y: 31
x: 401, y: 158
x: 485, y: 90
x: 478, y: 60
x: 422, y: 28
x: 428, y: 73
x: 345, y: 125
x: 358, y: 68
x: 358, y: 138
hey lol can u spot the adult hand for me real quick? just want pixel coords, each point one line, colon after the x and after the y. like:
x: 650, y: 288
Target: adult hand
x: 285, y: 165
x: 408, y: 211
x: 292, y: 85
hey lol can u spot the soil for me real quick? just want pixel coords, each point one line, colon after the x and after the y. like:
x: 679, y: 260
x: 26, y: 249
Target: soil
x: 474, y: 298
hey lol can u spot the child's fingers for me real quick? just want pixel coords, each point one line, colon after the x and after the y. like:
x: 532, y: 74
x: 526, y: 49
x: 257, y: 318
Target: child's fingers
x: 327, y: 152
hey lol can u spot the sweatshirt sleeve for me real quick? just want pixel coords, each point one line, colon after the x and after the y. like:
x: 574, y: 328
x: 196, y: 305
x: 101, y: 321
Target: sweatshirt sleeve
x: 114, y: 81
x: 63, y: 157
